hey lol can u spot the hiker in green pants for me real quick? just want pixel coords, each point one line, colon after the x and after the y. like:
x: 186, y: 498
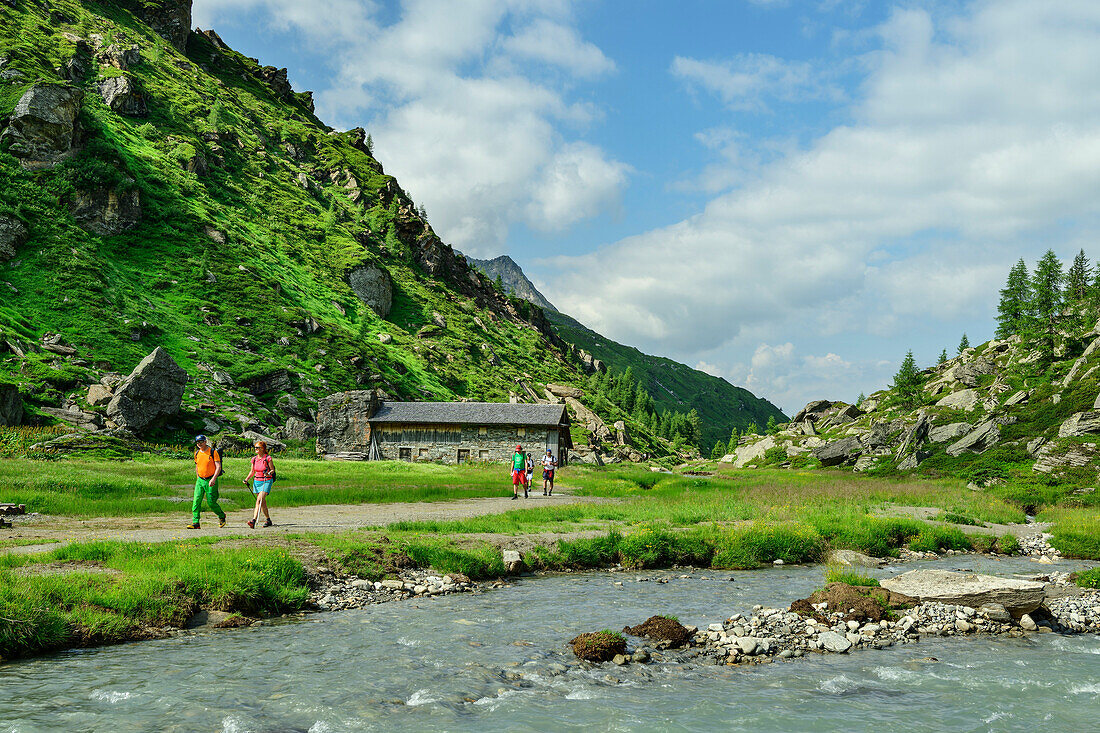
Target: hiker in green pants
x: 208, y: 466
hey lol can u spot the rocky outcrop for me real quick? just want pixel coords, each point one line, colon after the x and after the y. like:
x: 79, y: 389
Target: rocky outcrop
x: 171, y: 19
x: 950, y: 432
x: 839, y: 452
x: 43, y: 127
x: 743, y: 455
x: 373, y: 286
x: 592, y: 422
x: 276, y: 381
x: 342, y: 427
x: 298, y: 429
x: 13, y: 234
x: 561, y: 390
x: 1052, y: 457
x: 965, y: 399
x: 1081, y: 423
x: 152, y: 392
x: 123, y: 96
x: 11, y: 405
x: 967, y: 589
x: 969, y: 373
x: 107, y: 211
x: 978, y: 440
x: 914, y: 437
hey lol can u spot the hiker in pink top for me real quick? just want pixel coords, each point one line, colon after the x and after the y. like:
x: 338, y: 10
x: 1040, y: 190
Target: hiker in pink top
x: 263, y: 476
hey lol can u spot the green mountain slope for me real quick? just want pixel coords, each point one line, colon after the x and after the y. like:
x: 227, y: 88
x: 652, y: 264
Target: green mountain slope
x: 207, y: 209
x: 675, y: 386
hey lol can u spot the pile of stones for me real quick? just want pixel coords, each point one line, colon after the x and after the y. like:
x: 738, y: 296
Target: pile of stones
x: 336, y: 593
x: 772, y: 633
x: 1038, y: 545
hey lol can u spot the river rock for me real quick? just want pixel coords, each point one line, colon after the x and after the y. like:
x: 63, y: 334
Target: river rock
x: 1027, y: 623
x: 11, y: 405
x: 995, y: 612
x: 513, y: 561
x: 834, y: 642
x: 978, y: 440
x: 851, y: 558
x: 154, y: 390
x: 373, y: 286
x: 123, y: 96
x: 968, y: 589
x: 43, y: 127
x: 13, y: 234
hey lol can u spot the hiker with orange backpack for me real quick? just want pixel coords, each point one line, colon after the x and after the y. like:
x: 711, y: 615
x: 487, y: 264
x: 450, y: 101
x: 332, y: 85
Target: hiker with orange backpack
x: 263, y: 477
x: 208, y: 467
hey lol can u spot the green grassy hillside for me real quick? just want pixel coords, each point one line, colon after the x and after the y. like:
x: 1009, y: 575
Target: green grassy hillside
x: 675, y: 386
x: 252, y: 214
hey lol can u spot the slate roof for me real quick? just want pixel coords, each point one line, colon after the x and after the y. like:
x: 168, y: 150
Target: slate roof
x: 471, y: 413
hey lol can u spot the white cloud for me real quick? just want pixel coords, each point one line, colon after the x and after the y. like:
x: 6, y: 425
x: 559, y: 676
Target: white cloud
x: 745, y: 82
x: 459, y: 111
x: 557, y: 44
x: 975, y: 138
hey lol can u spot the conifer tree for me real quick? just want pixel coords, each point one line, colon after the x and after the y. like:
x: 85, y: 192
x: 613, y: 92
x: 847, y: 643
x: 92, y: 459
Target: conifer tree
x: 907, y: 382
x: 860, y: 399
x: 1047, y: 300
x: 1015, y: 305
x: 1077, y: 279
x: 964, y: 344
x: 718, y: 451
x: 772, y: 427
x: 752, y: 429
x: 732, y: 446
x: 942, y: 357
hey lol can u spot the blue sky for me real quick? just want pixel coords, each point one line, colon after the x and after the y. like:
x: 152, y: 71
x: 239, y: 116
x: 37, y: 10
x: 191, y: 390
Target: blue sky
x: 786, y: 194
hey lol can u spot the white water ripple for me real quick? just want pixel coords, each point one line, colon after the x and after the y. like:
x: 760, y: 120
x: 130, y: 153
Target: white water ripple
x: 111, y: 696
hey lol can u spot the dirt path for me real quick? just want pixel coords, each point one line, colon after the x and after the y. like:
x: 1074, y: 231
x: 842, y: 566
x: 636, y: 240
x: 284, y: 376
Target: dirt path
x: 55, y: 532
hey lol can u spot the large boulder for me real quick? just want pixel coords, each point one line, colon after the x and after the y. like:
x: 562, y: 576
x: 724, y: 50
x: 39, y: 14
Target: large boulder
x: 561, y: 390
x: 914, y: 437
x: 123, y: 96
x: 839, y: 452
x: 969, y: 589
x: 592, y: 422
x: 298, y: 429
x: 950, y: 432
x: 13, y: 233
x: 750, y: 452
x: 373, y: 286
x: 1081, y: 423
x: 152, y: 392
x: 965, y: 399
x: 107, y: 211
x: 342, y: 426
x: 43, y: 127
x: 978, y: 440
x: 812, y: 411
x: 11, y: 405
x: 276, y: 381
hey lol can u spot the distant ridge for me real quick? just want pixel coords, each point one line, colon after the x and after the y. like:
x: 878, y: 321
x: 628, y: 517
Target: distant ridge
x: 515, y: 282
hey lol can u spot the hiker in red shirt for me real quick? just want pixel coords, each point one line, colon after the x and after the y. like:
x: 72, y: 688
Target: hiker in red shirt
x: 263, y: 477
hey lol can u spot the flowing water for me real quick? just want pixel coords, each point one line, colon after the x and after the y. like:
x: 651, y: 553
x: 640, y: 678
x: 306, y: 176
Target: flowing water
x: 494, y: 662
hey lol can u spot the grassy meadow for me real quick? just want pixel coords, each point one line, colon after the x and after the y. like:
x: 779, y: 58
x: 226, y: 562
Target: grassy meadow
x: 712, y: 517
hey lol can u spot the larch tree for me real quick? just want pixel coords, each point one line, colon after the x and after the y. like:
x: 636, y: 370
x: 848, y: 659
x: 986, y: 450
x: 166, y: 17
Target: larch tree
x: 1015, y: 305
x: 964, y: 344
x: 907, y: 382
x: 1078, y: 279
x: 1047, y: 300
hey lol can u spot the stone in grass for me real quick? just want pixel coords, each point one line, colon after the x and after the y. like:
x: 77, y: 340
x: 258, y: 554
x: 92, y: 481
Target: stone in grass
x: 599, y: 646
x: 661, y: 628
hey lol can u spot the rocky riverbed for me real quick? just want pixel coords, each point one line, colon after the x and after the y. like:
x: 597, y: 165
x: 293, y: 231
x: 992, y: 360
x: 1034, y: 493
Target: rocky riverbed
x: 334, y: 592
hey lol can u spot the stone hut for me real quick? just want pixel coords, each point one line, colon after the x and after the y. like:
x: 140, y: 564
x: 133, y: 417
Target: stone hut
x: 354, y: 426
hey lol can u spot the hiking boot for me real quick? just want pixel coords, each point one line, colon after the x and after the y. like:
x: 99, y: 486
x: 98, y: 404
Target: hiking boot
x: 515, y: 496
x: 251, y: 523
x: 268, y: 522
x: 194, y: 525
x: 221, y: 522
